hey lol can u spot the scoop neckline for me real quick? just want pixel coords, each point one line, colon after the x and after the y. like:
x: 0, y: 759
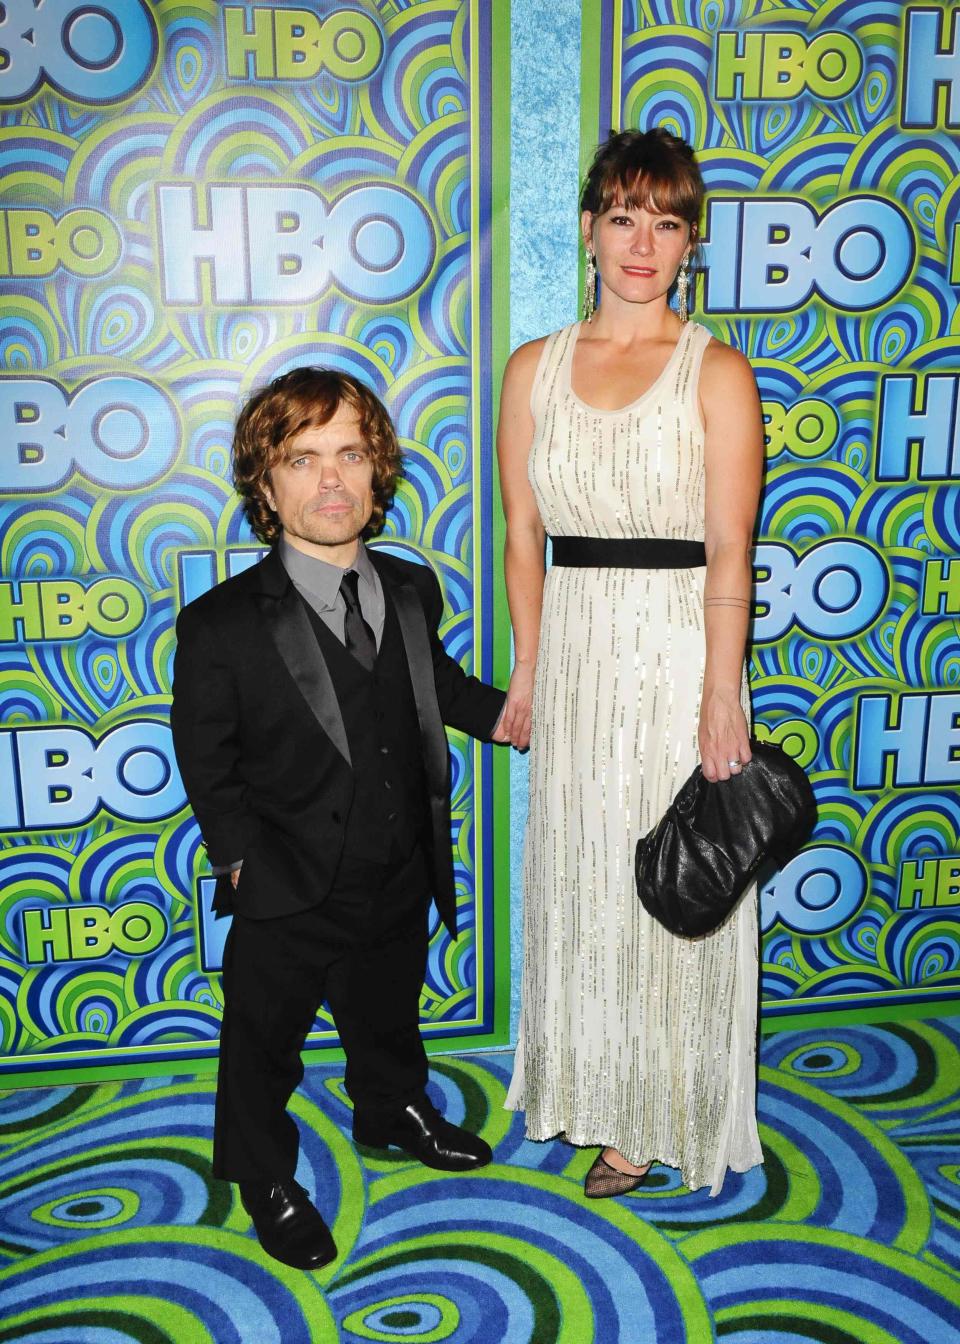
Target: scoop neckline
x: 637, y: 401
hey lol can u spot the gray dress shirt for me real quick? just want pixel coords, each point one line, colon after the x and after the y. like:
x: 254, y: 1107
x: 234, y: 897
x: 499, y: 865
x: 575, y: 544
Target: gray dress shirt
x: 318, y: 583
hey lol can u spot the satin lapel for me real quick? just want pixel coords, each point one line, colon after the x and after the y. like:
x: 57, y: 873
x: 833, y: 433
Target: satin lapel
x: 416, y: 642
x: 289, y: 626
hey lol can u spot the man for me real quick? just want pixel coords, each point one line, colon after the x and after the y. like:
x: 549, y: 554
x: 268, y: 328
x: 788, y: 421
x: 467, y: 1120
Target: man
x: 310, y: 694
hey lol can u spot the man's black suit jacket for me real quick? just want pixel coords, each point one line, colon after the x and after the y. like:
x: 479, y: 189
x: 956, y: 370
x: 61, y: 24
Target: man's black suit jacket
x: 261, y: 743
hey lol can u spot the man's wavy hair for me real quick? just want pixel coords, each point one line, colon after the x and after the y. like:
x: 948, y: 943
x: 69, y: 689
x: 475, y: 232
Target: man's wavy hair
x: 303, y: 399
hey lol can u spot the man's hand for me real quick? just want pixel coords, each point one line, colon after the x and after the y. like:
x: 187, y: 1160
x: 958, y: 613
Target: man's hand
x: 499, y: 733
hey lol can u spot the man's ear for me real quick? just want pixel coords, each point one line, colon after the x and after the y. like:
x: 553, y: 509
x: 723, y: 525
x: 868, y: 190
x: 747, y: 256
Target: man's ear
x: 268, y: 493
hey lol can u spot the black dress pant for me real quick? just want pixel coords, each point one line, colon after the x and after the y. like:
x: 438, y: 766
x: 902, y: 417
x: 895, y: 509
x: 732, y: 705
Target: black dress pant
x: 364, y: 951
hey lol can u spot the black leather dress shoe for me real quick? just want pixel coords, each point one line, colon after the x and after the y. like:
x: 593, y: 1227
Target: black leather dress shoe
x: 420, y: 1130
x: 287, y: 1225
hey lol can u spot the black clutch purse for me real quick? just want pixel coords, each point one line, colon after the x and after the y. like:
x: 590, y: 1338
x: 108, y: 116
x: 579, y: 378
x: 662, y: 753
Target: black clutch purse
x: 701, y: 856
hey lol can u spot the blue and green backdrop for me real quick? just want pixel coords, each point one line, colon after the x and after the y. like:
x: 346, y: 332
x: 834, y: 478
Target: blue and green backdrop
x: 831, y: 256
x: 197, y: 196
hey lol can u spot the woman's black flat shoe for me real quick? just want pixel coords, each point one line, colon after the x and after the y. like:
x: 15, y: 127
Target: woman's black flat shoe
x: 604, y: 1182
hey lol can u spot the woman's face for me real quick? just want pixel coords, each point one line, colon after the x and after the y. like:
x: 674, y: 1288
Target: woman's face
x: 638, y: 251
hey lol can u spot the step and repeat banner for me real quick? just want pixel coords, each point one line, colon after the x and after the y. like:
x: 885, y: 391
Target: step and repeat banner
x: 196, y: 197
x: 827, y: 133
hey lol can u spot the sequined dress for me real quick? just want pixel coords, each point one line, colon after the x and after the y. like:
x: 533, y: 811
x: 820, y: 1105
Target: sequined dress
x: 629, y: 1036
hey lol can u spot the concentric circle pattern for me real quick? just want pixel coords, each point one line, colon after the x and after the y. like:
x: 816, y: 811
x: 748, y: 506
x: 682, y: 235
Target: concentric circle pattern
x: 804, y: 115
x: 113, y: 1230
x: 374, y: 161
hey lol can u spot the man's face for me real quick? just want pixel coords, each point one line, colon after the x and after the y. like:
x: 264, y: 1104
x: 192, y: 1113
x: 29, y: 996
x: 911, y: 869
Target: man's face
x: 322, y: 488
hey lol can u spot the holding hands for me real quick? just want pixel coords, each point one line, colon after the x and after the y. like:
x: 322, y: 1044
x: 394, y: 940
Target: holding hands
x: 515, y: 720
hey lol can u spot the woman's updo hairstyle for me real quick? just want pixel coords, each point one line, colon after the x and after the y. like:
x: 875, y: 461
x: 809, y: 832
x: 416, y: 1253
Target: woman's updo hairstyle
x: 645, y: 169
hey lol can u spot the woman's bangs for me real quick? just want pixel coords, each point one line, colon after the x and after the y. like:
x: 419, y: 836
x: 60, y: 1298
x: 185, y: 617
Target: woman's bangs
x: 644, y: 190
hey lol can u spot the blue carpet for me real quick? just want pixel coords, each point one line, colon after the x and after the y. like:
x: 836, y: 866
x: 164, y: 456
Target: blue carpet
x: 113, y: 1230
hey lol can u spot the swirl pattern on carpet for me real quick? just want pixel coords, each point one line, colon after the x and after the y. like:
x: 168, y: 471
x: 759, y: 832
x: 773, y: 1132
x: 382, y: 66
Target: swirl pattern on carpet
x: 114, y: 1231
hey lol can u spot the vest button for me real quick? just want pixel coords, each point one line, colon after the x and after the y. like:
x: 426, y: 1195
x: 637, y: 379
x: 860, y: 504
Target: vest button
x: 387, y: 784
x: 391, y: 816
x: 384, y: 751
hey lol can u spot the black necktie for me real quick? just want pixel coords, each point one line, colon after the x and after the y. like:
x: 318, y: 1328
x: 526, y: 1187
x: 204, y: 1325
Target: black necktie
x: 357, y: 635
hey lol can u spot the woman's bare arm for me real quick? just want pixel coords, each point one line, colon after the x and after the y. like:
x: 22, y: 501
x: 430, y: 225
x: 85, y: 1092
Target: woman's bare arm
x: 523, y: 558
x: 734, y: 462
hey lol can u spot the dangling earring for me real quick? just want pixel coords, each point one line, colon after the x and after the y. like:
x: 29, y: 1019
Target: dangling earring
x: 683, y: 285
x: 590, y: 288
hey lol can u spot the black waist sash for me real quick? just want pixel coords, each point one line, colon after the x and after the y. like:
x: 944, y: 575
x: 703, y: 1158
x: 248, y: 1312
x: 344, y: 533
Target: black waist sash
x: 628, y: 553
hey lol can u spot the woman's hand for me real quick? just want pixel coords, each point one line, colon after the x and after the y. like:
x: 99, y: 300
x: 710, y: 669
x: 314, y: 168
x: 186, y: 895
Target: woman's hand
x: 723, y: 735
x: 518, y: 708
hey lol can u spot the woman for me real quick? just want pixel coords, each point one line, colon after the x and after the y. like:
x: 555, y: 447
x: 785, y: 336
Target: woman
x: 636, y: 439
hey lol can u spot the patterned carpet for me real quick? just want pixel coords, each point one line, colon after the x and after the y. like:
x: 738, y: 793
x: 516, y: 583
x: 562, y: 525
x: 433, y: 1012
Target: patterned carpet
x: 850, y: 1234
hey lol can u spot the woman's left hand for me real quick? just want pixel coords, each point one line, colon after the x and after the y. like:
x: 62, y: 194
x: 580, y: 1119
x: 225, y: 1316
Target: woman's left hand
x: 723, y: 735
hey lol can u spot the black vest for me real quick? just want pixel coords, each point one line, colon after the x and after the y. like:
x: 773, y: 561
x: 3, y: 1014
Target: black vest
x: 389, y: 809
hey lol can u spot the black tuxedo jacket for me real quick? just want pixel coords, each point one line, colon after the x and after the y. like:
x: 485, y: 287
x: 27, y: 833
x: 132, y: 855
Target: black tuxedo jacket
x: 261, y: 743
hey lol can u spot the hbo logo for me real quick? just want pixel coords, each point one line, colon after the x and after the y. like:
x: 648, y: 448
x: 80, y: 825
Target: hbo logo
x: 751, y: 66
x: 906, y: 741
x: 296, y: 44
x: 774, y: 255
x: 94, y: 52
x: 86, y: 932
x: 808, y: 428
x: 42, y: 609
x: 54, y: 779
x: 286, y: 244
x: 119, y: 432
x: 819, y: 890
x: 33, y: 243
x: 835, y: 590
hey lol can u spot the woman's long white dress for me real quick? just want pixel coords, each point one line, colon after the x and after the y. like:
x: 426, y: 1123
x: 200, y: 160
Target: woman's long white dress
x: 629, y: 1036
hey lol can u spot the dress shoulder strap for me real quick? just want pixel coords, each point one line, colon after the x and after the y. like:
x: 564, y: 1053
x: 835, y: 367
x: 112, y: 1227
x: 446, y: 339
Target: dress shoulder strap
x: 688, y: 374
x: 547, y: 381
